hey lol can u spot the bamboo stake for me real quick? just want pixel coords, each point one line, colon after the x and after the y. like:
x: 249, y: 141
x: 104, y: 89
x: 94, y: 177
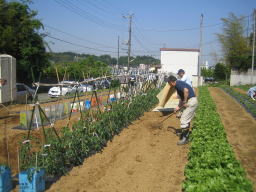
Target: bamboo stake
x: 56, y: 70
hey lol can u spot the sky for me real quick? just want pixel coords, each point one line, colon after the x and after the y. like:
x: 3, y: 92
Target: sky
x: 93, y: 26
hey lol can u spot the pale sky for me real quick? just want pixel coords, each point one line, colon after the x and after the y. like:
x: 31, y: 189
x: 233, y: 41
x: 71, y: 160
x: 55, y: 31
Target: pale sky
x: 93, y: 26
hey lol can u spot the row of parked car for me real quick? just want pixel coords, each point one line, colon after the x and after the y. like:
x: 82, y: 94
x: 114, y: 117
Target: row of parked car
x: 70, y: 88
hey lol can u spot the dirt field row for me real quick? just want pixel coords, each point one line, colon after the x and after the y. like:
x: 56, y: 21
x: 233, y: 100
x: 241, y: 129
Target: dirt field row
x: 139, y: 159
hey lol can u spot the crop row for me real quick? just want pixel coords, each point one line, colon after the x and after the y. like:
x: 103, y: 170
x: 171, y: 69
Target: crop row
x: 212, y: 164
x: 247, y: 102
x: 87, y: 137
x: 245, y: 87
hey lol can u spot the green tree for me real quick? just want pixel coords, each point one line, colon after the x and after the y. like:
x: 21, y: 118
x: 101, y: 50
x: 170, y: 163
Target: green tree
x: 221, y: 72
x: 207, y: 72
x: 234, y: 43
x: 19, y: 37
x: 88, y: 67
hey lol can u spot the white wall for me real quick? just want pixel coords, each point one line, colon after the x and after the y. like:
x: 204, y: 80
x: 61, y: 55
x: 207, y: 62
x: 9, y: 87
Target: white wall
x: 8, y: 73
x: 242, y: 78
x: 172, y: 61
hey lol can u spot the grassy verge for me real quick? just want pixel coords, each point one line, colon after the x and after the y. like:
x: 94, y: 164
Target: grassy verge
x: 212, y: 164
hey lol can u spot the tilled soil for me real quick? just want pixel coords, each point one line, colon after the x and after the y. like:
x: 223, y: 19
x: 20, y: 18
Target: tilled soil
x: 140, y: 159
x: 240, y: 127
x: 240, y: 90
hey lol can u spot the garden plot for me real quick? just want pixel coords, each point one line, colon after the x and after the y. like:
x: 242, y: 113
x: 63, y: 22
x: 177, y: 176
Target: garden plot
x: 240, y: 128
x: 14, y: 136
x: 212, y: 164
x: 139, y: 159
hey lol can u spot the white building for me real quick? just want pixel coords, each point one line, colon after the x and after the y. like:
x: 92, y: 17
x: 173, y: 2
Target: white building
x: 142, y: 66
x: 173, y: 59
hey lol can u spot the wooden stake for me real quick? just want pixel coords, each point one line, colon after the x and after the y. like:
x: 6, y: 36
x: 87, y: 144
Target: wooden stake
x: 56, y: 70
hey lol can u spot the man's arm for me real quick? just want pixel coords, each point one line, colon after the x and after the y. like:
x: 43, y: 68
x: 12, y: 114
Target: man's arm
x: 184, y: 102
x: 186, y: 93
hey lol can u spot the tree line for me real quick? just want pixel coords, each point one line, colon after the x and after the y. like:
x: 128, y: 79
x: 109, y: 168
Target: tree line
x: 63, y: 57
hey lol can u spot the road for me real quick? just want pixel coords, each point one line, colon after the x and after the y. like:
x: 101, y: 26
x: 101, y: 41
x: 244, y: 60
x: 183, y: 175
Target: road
x: 43, y: 97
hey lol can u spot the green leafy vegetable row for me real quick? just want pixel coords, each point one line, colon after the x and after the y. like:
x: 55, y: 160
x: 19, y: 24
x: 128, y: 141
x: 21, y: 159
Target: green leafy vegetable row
x: 247, y: 102
x: 87, y: 137
x: 212, y: 164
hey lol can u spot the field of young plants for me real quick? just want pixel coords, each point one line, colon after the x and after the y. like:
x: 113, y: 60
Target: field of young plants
x: 119, y: 150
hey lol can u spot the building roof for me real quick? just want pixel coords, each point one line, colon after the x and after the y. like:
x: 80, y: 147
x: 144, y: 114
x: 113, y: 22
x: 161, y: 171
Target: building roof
x: 179, y: 49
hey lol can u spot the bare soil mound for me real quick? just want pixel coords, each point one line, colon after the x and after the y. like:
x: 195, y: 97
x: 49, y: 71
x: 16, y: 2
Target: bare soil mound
x: 139, y: 159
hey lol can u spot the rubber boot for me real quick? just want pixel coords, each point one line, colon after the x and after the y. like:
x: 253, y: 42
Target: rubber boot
x: 179, y: 133
x: 184, y: 137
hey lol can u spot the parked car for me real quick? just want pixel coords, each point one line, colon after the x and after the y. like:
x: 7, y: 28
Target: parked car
x: 102, y: 84
x: 66, y: 89
x: 24, y: 92
x: 209, y: 79
x: 85, y: 88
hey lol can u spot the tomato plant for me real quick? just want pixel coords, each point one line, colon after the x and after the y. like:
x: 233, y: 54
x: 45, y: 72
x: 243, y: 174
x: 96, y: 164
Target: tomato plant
x: 89, y: 135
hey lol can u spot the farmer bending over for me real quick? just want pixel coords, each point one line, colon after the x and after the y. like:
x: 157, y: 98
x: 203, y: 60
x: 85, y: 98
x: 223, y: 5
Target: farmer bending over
x: 189, y: 102
x: 252, y: 93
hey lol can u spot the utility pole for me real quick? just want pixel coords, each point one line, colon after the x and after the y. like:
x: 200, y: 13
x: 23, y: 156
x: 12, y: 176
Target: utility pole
x: 117, y: 62
x: 200, y: 51
x: 130, y: 16
x: 253, y: 44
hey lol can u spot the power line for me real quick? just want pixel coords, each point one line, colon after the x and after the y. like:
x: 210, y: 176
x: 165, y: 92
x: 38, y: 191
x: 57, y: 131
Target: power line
x: 141, y: 44
x: 79, y: 38
x: 143, y: 37
x: 100, y: 9
x: 111, y: 5
x: 188, y: 28
x: 69, y: 5
x: 79, y: 45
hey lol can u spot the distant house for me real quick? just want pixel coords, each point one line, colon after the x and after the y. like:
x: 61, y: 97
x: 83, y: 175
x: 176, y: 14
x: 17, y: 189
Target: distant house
x: 173, y: 59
